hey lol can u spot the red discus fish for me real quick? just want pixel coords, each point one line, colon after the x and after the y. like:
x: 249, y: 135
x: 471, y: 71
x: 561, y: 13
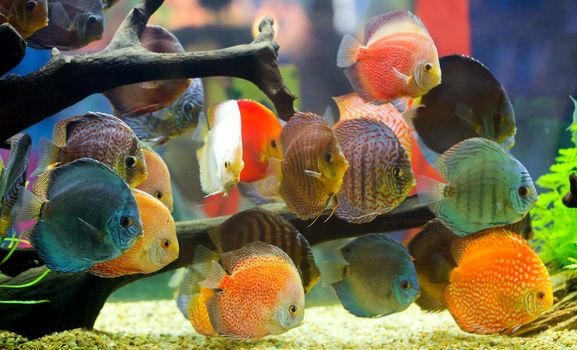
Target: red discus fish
x: 151, y: 252
x: 398, y: 59
x: 352, y: 106
x: 491, y: 281
x: 260, y: 139
x: 257, y: 291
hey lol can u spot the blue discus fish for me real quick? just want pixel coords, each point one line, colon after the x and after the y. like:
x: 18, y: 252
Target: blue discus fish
x: 13, y: 179
x: 486, y: 187
x: 86, y: 214
x: 373, y: 276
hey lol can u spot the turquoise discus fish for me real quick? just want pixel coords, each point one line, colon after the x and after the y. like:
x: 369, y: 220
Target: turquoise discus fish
x: 486, y: 187
x: 379, y: 176
x: 373, y: 276
x: 86, y: 214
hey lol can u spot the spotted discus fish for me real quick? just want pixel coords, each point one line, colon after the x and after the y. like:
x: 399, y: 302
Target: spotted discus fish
x: 491, y: 282
x: 262, y: 225
x: 180, y: 117
x: 98, y: 136
x: 486, y: 187
x: 256, y: 292
x: 158, y: 181
x: 313, y: 165
x: 151, y: 252
x: 13, y: 179
x: 380, y: 175
x: 352, y: 106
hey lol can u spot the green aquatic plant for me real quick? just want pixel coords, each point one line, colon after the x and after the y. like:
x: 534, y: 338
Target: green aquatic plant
x: 554, y: 224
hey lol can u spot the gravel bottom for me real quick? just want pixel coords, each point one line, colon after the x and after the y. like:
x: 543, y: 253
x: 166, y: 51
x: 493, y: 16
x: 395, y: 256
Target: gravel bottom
x: 159, y: 325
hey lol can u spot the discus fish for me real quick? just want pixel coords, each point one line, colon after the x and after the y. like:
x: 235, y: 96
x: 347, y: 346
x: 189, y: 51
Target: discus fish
x: 256, y: 292
x: 26, y: 16
x: 379, y: 177
x: 13, y: 179
x: 85, y: 214
x: 260, y: 139
x: 491, y: 282
x: 150, y: 96
x: 262, y: 225
x: 352, y: 106
x: 181, y: 117
x: 469, y: 102
x: 153, y: 251
x: 373, y: 276
x: 220, y: 158
x: 99, y: 136
x: 158, y: 181
x: 486, y: 187
x: 398, y: 59
x: 73, y: 24
x: 313, y: 165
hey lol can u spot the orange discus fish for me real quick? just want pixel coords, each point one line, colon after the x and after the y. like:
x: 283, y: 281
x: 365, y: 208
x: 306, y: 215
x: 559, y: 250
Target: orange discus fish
x: 260, y: 139
x: 158, y: 181
x: 256, y: 292
x: 491, y: 282
x: 352, y: 106
x: 380, y: 175
x: 153, y: 251
x: 398, y: 59
x: 313, y: 165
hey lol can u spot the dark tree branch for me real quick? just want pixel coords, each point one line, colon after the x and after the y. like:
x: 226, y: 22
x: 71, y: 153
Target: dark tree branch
x: 68, y: 79
x: 13, y: 48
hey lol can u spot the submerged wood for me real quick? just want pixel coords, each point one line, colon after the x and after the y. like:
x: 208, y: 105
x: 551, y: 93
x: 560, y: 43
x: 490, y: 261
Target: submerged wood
x: 76, y: 298
x: 66, y: 80
x: 13, y: 48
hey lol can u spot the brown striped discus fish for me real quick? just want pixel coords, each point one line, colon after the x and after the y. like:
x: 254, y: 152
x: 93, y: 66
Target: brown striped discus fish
x: 313, y: 166
x: 262, y: 225
x: 98, y: 136
x: 380, y: 174
x: 486, y: 187
x: 352, y: 106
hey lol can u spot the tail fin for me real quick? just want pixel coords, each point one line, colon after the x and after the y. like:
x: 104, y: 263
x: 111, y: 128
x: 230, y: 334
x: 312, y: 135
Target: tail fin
x: 347, y: 54
x: 28, y: 206
x: 48, y: 156
x: 434, y: 263
x: 430, y: 191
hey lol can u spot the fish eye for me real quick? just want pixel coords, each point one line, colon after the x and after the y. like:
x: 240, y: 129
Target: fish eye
x: 226, y: 164
x: 427, y: 67
x: 91, y: 20
x: 397, y: 172
x: 130, y: 161
x: 498, y: 117
x: 328, y: 157
x: 158, y: 194
x: 273, y: 143
x: 187, y: 107
x: 405, y: 284
x: 523, y: 191
x: 292, y: 310
x: 31, y: 5
x: 165, y: 243
x: 541, y: 295
x: 125, y: 221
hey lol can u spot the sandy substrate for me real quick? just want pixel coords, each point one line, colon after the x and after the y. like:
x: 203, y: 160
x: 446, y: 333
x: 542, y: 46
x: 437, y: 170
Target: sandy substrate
x: 159, y: 325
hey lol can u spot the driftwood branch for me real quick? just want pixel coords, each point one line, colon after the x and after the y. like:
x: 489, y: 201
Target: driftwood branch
x: 66, y: 80
x: 13, y: 48
x: 76, y: 298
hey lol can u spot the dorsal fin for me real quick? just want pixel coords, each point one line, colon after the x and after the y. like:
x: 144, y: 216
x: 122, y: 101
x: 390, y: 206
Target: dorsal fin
x: 392, y: 22
x: 467, y: 149
x: 231, y: 259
